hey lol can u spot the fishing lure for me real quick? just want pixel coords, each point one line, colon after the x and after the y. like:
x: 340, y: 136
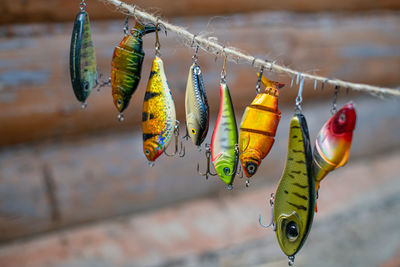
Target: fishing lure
x: 224, y: 149
x: 196, y: 105
x: 333, y: 142
x: 293, y: 209
x: 158, y: 118
x: 258, y: 127
x: 127, y: 65
x: 82, y: 57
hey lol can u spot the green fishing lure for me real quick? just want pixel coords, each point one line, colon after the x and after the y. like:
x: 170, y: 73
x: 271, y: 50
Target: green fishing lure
x: 293, y: 209
x: 83, y: 68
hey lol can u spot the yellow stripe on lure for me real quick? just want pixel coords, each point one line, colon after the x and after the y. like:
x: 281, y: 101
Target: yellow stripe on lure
x: 295, y: 196
x: 158, y: 117
x: 258, y: 127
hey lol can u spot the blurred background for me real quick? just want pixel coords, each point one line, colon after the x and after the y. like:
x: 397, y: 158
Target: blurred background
x: 75, y: 187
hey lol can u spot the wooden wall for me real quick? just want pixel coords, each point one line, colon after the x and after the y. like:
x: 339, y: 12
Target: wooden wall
x: 17, y: 11
x: 37, y: 101
x: 62, y: 166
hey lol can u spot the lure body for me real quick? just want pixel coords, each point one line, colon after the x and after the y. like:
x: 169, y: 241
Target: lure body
x: 82, y: 60
x: 224, y: 138
x: 333, y: 142
x: 158, y: 117
x: 196, y: 106
x: 295, y: 195
x: 258, y: 127
x: 127, y: 65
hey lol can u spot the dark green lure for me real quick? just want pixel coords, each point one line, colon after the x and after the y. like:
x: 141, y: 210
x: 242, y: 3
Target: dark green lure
x: 82, y: 58
x: 127, y: 65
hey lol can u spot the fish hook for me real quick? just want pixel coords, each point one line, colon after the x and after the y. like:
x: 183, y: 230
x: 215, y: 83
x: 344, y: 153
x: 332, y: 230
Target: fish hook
x: 186, y: 136
x: 271, y: 203
x: 208, y: 170
x: 180, y: 151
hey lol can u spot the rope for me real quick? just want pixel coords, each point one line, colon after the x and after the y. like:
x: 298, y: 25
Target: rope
x: 210, y: 45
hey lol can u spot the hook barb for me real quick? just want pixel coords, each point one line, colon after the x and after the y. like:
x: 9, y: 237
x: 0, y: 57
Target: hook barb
x: 208, y: 170
x: 180, y: 151
x: 271, y: 223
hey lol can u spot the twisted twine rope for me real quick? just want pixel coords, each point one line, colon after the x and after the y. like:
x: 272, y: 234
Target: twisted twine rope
x: 231, y: 53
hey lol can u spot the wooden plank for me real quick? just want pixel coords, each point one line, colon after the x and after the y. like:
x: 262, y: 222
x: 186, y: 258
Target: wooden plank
x: 36, y: 99
x: 60, y: 183
x: 45, y: 11
x: 355, y: 226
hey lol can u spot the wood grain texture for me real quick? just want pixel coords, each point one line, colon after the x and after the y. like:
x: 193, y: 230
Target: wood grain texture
x: 18, y: 11
x: 63, y: 183
x: 37, y: 102
x: 224, y: 231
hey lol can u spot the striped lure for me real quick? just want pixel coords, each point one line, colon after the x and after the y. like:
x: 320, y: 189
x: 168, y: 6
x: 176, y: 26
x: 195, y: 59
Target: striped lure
x: 224, y: 153
x: 196, y: 106
x: 258, y: 127
x: 127, y: 65
x: 158, y: 117
x: 293, y: 210
x: 82, y: 58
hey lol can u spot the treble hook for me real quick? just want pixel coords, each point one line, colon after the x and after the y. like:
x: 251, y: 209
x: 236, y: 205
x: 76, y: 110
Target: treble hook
x: 208, y: 170
x: 181, y: 152
x: 186, y: 136
x: 271, y: 203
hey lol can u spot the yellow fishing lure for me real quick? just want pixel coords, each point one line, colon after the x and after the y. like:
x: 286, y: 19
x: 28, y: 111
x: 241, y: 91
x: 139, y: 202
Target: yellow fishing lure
x: 158, y: 117
x: 258, y: 127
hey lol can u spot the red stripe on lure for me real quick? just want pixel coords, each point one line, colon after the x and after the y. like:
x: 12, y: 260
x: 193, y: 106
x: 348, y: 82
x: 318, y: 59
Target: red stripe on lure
x: 224, y: 139
x: 333, y: 143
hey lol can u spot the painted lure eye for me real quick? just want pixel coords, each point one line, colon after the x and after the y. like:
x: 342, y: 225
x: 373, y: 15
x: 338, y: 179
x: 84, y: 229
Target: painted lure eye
x: 147, y: 152
x: 251, y: 168
x: 119, y: 102
x: 193, y: 131
x: 342, y: 118
x: 292, y: 231
x: 227, y: 170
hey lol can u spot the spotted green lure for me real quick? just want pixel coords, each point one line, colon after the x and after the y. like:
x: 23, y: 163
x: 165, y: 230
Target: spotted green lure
x: 82, y: 58
x: 224, y: 148
x: 293, y: 210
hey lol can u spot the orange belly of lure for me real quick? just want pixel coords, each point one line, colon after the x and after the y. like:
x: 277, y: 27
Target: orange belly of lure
x: 258, y: 127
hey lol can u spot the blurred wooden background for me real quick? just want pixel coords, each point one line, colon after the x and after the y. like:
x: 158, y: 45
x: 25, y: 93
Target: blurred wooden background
x: 61, y: 166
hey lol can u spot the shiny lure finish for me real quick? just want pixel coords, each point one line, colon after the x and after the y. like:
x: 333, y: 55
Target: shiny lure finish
x: 258, y: 127
x: 158, y: 117
x: 82, y: 59
x: 126, y: 65
x: 224, y: 139
x: 333, y: 142
x: 196, y: 106
x: 295, y: 196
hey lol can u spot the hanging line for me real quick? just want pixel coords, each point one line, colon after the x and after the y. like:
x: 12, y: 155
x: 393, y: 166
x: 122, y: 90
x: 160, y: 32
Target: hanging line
x: 234, y: 54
